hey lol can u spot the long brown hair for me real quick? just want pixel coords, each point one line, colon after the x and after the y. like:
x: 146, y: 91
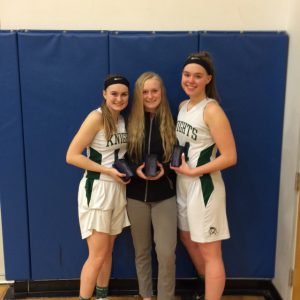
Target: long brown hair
x: 211, y: 88
x: 108, y: 122
x: 136, y: 122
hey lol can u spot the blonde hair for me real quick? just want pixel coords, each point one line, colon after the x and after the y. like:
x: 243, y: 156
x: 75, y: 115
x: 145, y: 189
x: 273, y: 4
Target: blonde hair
x: 136, y: 122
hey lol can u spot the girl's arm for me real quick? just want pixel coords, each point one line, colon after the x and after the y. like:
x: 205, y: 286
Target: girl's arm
x: 83, y: 138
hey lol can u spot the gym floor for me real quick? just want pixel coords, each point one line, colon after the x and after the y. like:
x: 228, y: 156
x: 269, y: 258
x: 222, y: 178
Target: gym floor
x: 4, y: 287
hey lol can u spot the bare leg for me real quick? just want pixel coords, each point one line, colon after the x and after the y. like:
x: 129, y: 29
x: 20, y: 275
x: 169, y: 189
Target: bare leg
x: 193, y: 251
x: 98, y: 245
x: 104, y: 274
x: 214, y: 269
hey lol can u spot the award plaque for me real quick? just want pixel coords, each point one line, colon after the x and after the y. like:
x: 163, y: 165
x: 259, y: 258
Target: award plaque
x: 150, y: 165
x: 122, y: 166
x: 176, y: 155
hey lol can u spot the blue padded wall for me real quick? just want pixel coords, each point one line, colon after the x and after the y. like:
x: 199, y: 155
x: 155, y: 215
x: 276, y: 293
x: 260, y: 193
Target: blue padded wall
x: 62, y: 75
x: 12, y: 175
x: 251, y: 71
x: 162, y: 52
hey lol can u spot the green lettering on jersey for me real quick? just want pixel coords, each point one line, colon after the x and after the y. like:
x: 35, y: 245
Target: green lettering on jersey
x: 117, y: 138
x: 187, y: 129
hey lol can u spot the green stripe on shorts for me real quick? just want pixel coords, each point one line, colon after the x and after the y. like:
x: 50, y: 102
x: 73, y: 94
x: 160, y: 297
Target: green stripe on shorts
x: 91, y: 175
x: 206, y: 181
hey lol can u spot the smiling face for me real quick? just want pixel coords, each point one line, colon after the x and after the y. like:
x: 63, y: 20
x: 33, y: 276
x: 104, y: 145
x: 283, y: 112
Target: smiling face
x: 151, y: 94
x: 116, y: 96
x: 194, y: 80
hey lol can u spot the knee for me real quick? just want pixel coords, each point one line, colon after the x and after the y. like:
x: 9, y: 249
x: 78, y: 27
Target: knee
x: 142, y: 249
x: 209, y: 255
x: 98, y: 259
x: 165, y: 255
x: 142, y: 255
x: 108, y: 257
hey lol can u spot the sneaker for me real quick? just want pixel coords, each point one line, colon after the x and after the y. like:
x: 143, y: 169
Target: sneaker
x: 194, y: 296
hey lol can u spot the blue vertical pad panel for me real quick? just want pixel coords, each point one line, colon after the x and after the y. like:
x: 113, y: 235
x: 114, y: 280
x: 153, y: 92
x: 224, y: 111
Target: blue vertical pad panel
x: 251, y: 74
x: 162, y: 52
x: 62, y: 75
x: 132, y: 54
x: 12, y: 175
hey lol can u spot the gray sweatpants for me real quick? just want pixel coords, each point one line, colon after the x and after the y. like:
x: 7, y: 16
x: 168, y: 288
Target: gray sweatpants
x: 163, y: 217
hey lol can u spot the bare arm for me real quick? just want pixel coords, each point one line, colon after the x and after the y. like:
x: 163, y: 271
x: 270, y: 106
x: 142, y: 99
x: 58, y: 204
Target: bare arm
x: 83, y: 138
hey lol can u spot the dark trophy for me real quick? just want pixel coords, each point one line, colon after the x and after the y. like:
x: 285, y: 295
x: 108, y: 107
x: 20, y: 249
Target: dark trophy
x: 122, y: 166
x: 150, y: 165
x: 176, y: 155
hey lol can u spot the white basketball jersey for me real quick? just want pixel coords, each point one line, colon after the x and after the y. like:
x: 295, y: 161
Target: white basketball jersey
x: 106, y: 152
x: 192, y: 132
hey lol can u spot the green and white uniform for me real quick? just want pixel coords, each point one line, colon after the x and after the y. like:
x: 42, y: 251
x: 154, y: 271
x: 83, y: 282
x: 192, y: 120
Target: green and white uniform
x: 102, y: 200
x: 201, y: 200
